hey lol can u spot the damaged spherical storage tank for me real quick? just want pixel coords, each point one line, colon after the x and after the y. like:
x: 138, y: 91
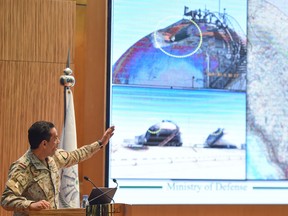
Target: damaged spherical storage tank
x: 165, y: 133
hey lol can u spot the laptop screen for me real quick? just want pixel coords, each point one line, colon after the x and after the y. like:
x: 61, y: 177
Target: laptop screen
x: 101, y: 195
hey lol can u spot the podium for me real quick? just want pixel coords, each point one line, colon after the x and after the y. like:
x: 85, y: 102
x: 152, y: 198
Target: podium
x: 91, y: 210
x: 115, y: 209
x: 59, y: 212
x: 177, y: 210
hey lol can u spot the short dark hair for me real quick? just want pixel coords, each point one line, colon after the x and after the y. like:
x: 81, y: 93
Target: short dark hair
x: 38, y: 132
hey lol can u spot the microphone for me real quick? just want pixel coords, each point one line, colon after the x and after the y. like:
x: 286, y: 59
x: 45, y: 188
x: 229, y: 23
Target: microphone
x: 102, y: 192
x: 115, y: 181
x: 87, y: 179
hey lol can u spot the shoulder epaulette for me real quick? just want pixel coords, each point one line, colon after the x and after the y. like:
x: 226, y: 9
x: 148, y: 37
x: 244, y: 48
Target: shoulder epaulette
x: 23, y: 162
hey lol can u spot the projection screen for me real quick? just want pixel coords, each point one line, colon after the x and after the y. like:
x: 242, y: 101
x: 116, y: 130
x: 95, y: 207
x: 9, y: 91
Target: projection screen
x: 197, y: 92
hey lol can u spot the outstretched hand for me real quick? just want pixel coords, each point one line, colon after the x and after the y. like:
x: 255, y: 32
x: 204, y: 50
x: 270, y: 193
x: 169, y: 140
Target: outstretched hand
x: 107, y: 135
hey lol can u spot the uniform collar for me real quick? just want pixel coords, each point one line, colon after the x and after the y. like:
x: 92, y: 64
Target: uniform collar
x: 35, y: 161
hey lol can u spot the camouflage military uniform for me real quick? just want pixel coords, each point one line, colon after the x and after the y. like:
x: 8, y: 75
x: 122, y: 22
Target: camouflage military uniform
x: 30, y: 180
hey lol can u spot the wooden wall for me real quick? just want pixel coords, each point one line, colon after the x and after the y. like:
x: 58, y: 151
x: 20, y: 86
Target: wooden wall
x: 90, y: 67
x: 35, y: 36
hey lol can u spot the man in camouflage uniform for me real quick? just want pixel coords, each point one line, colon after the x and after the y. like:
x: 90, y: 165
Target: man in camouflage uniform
x: 33, y: 180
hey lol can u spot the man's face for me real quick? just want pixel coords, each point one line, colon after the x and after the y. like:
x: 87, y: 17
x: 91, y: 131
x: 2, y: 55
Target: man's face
x: 53, y: 143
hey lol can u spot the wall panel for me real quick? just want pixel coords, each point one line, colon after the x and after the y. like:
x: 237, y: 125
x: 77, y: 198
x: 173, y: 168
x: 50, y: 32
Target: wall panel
x: 35, y: 36
x: 38, y: 31
x: 80, y: 74
x: 92, y: 122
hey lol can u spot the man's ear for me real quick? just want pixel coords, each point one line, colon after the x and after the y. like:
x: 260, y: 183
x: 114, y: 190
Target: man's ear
x: 43, y: 143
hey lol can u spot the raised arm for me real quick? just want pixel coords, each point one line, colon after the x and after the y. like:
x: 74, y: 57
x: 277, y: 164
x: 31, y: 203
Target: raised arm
x: 67, y: 159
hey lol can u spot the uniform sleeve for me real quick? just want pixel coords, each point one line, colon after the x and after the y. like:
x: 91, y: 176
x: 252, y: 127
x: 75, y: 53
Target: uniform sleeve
x: 67, y: 159
x: 11, y: 199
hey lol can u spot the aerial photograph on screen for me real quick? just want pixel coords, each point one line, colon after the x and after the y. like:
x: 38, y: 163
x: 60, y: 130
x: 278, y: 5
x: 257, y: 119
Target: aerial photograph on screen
x: 178, y: 90
x: 267, y: 98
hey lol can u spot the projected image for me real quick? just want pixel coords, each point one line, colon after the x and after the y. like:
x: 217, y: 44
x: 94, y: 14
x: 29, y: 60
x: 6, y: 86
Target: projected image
x: 198, y: 96
x: 202, y: 49
x: 178, y: 134
x: 179, y: 95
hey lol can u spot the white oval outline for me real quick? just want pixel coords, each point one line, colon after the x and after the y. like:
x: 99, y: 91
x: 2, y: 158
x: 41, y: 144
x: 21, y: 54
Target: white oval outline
x: 183, y: 56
